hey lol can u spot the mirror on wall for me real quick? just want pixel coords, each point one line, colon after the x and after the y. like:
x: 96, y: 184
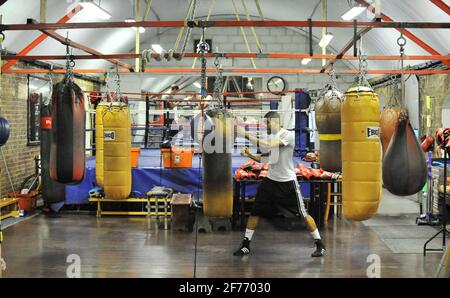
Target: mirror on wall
x: 39, y: 92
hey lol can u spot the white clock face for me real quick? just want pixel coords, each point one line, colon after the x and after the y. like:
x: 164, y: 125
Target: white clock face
x: 276, y: 84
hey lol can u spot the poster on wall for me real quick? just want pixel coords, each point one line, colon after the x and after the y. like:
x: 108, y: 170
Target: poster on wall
x: 38, y: 93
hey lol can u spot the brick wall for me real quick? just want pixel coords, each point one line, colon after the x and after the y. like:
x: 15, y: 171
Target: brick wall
x: 13, y: 106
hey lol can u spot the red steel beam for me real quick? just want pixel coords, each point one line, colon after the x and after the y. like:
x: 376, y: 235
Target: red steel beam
x: 230, y: 55
x: 42, y: 37
x: 237, y: 70
x: 84, y: 48
x: 441, y: 5
x: 163, y: 24
x: 406, y: 32
x: 345, y: 49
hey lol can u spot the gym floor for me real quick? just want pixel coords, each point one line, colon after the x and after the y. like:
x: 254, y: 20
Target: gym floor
x: 134, y: 247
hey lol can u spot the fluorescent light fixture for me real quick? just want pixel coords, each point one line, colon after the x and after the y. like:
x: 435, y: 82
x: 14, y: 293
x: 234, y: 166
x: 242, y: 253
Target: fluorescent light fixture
x: 326, y: 39
x: 353, y: 13
x: 306, y: 61
x: 141, y: 29
x: 95, y: 11
x: 157, y: 48
x: 197, y: 84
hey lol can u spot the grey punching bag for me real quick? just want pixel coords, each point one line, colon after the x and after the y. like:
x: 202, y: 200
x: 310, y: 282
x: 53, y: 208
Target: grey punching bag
x: 328, y: 122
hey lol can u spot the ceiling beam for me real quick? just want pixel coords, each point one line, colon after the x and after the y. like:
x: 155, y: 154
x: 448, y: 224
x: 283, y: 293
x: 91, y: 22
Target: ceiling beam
x: 224, y: 24
x: 42, y: 37
x: 406, y: 32
x: 295, y: 56
x: 441, y: 5
x: 346, y: 48
x: 286, y: 71
x: 73, y: 44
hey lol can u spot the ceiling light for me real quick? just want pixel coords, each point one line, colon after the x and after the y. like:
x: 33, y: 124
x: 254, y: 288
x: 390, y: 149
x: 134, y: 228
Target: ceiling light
x: 306, y: 61
x: 326, y: 40
x: 353, y: 13
x: 141, y: 29
x: 129, y: 20
x: 95, y: 10
x: 197, y: 84
x: 157, y: 48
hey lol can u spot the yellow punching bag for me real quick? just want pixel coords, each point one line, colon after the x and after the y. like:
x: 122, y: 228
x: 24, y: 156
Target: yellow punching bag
x: 361, y: 154
x: 99, y: 143
x: 117, y: 151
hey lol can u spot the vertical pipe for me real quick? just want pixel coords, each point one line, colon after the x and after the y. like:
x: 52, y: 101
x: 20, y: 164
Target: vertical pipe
x: 355, y: 39
x: 147, y: 120
x: 324, y: 29
x: 311, y: 51
x: 43, y: 11
x: 138, y: 35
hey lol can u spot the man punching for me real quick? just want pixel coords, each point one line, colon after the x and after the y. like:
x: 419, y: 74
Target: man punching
x: 280, y: 189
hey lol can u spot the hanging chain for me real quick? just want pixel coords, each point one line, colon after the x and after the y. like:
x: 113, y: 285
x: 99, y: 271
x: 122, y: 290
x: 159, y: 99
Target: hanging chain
x: 401, y: 42
x: 362, y: 80
x: 332, y: 76
x: 70, y: 63
x: 203, y: 48
x: 218, y: 83
x: 117, y: 82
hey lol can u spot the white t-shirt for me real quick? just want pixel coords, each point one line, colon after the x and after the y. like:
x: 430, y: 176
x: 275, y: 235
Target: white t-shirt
x: 281, y: 165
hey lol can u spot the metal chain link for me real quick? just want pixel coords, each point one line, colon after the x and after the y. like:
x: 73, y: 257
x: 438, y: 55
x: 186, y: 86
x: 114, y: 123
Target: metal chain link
x: 218, y: 83
x: 363, y: 66
x: 332, y: 75
x: 70, y: 63
x: 401, y: 42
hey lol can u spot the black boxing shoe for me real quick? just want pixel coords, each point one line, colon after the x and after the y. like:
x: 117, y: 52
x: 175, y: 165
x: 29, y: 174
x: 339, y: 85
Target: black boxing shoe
x: 320, y: 249
x: 244, y: 249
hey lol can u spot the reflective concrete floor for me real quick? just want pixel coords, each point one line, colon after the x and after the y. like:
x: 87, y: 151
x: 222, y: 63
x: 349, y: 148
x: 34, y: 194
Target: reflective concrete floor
x: 134, y: 247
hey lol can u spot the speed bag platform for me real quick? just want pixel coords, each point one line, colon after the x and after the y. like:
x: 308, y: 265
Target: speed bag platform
x: 99, y: 154
x: 217, y: 166
x: 361, y: 154
x: 67, y: 152
x: 116, y: 151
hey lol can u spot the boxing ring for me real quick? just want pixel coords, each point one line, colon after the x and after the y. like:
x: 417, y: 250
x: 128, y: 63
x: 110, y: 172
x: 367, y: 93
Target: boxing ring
x: 150, y: 173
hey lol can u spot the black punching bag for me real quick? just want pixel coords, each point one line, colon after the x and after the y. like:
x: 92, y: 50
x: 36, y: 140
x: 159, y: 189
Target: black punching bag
x: 404, y: 164
x: 52, y: 191
x: 67, y: 154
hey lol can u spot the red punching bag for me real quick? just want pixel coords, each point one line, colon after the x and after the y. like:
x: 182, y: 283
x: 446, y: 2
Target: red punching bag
x: 404, y: 164
x: 67, y: 152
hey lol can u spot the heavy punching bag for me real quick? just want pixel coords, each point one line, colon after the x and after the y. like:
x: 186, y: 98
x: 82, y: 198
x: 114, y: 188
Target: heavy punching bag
x: 99, y: 153
x: 116, y: 151
x: 4, y: 131
x: 67, y: 152
x: 404, y: 165
x: 52, y: 191
x: 361, y: 154
x: 328, y: 121
x: 217, y: 147
x: 388, y: 122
